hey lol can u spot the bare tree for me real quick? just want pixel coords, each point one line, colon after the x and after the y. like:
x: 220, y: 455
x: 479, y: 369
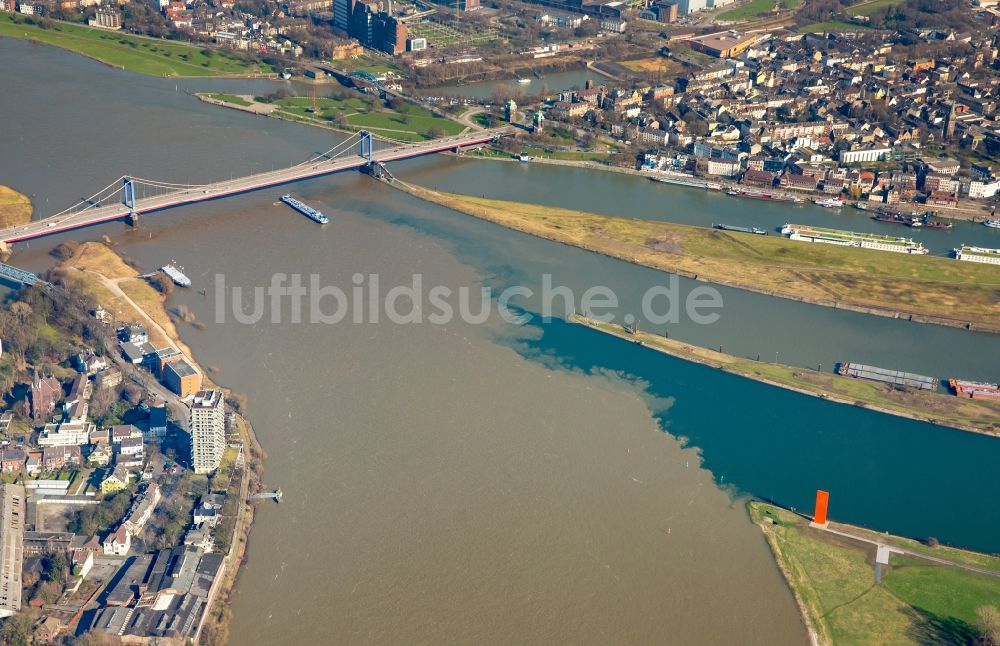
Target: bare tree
x: 988, y: 624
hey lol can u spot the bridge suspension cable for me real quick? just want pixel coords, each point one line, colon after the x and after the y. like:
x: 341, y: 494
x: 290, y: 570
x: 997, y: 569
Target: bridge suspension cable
x: 340, y: 149
x: 167, y: 185
x: 95, y: 199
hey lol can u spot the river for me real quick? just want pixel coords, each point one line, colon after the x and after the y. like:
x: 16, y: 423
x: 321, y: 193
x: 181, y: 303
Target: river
x: 490, y: 483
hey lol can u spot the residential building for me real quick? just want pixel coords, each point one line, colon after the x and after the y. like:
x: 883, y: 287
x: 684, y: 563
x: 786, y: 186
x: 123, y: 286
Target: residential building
x: 118, y: 542
x: 72, y: 433
x: 208, y: 430
x: 117, y: 481
x: 864, y: 155
x: 142, y: 510
x: 12, y: 460
x: 33, y: 465
x: 55, y: 458
x: 109, y: 378
x: 106, y: 18
x: 130, y: 452
x: 13, y: 515
x: 156, y: 427
x: 101, y: 455
x: 90, y: 363
x: 135, y: 334
x: 124, y: 431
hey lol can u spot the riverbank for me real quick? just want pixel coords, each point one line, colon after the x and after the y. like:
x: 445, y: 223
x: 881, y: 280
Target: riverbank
x: 977, y: 416
x: 100, y: 272
x: 140, y: 54
x: 896, y: 285
x: 15, y: 208
x: 970, y: 211
x: 927, y: 595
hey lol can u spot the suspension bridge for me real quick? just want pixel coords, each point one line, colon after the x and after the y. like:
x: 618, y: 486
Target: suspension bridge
x: 129, y: 197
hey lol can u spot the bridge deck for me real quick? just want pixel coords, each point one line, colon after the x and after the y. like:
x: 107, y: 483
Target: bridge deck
x: 97, y: 215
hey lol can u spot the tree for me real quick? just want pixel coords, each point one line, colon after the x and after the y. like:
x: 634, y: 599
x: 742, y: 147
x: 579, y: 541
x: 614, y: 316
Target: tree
x: 55, y: 567
x: 162, y: 283
x: 988, y: 625
x: 94, y: 638
x: 132, y: 393
x: 101, y: 403
x: 16, y: 630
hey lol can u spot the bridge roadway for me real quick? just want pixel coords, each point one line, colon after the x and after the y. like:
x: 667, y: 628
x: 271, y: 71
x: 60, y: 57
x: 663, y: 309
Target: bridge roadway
x: 318, y: 168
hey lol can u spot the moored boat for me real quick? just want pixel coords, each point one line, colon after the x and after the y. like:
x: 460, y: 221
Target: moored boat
x: 729, y: 227
x: 993, y: 224
x: 837, y: 237
x: 761, y: 195
x: 829, y: 203
x: 176, y: 274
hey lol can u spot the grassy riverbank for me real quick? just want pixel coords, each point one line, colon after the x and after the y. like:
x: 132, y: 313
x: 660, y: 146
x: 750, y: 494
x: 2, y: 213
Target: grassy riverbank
x: 151, y: 56
x: 980, y: 416
x: 926, y: 289
x: 15, y: 208
x: 918, y: 602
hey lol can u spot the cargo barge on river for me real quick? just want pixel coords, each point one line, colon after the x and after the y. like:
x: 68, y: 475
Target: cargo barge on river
x: 895, y: 378
x: 729, y: 227
x: 305, y: 209
x: 681, y: 179
x: 761, y: 195
x: 974, y: 389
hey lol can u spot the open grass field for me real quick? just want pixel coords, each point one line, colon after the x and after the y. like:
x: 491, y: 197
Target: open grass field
x: 982, y: 416
x: 654, y: 65
x: 409, y: 123
x: 833, y: 579
x: 942, y: 289
x: 93, y: 260
x: 756, y: 8
x: 868, y: 8
x: 151, y: 56
x: 831, y: 26
x: 230, y: 98
x: 15, y: 208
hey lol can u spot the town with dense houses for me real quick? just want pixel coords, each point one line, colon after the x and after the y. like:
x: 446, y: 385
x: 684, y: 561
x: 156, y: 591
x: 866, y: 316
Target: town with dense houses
x: 884, y: 116
x: 122, y: 480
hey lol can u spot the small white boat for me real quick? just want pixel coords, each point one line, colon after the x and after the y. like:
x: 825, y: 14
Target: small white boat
x: 524, y: 81
x: 993, y: 224
x: 176, y: 274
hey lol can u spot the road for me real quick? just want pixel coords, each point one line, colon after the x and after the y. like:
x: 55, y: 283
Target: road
x: 315, y: 168
x: 909, y: 552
